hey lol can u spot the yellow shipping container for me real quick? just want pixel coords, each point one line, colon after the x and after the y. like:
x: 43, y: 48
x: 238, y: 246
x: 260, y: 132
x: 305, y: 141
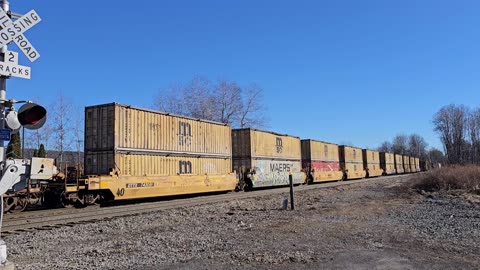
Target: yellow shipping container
x: 399, y: 164
x: 105, y: 163
x: 371, y: 163
x: 351, y: 162
x: 253, y: 143
x: 116, y: 127
x: 417, y: 164
x: 387, y: 163
x: 406, y: 164
x: 413, y: 164
x: 268, y: 172
x: 321, y: 161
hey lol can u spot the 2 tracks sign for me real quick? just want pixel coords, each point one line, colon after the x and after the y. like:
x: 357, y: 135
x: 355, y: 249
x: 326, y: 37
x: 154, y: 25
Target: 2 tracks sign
x: 13, y: 31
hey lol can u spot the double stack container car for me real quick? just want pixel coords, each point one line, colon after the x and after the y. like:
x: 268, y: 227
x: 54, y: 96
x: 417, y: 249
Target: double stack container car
x: 265, y: 159
x: 137, y: 153
x: 371, y: 163
x: 399, y: 164
x: 406, y: 164
x: 387, y: 163
x: 321, y: 161
x: 351, y: 162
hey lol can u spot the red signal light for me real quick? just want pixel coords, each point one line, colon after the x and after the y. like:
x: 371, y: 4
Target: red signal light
x: 32, y: 116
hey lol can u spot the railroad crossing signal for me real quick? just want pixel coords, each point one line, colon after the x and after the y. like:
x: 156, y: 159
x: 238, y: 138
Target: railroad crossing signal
x: 13, y: 31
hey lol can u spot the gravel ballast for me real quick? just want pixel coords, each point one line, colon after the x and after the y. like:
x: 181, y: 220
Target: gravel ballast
x: 373, y: 225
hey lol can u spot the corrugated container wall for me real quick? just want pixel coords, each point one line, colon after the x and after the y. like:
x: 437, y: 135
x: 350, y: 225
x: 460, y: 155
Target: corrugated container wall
x: 406, y: 164
x: 118, y: 127
x: 399, y: 164
x: 412, y: 165
x: 263, y: 144
x: 320, y: 160
x: 351, y: 161
x: 268, y: 157
x: 100, y: 163
x: 139, y: 142
x: 387, y: 162
x: 371, y: 163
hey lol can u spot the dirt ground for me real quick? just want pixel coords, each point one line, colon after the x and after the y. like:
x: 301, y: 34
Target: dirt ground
x: 374, y: 225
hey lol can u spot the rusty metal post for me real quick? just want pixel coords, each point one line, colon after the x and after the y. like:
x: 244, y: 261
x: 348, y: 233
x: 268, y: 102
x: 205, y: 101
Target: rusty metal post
x: 292, y: 204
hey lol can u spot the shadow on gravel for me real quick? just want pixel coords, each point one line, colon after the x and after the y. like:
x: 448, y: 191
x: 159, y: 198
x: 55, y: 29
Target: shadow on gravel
x: 160, y: 199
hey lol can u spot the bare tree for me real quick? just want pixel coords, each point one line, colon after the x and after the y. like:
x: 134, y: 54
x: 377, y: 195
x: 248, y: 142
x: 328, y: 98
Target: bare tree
x: 450, y: 123
x: 417, y: 146
x: 399, y: 144
x: 474, y: 132
x: 225, y: 102
x: 253, y: 110
x: 229, y: 104
x: 62, y: 125
x: 385, y: 147
x: 194, y: 99
x: 78, y: 136
x: 436, y: 157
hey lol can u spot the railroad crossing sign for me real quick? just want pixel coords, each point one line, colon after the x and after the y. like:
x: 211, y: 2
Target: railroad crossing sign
x: 13, y: 31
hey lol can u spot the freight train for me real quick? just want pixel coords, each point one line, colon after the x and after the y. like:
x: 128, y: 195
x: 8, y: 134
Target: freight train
x: 134, y: 153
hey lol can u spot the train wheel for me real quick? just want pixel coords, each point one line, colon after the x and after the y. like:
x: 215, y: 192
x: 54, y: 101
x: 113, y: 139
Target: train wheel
x: 240, y: 186
x: 21, y: 205
x: 9, y: 203
x: 64, y: 202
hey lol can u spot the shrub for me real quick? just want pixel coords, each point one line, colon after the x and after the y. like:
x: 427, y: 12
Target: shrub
x: 449, y: 178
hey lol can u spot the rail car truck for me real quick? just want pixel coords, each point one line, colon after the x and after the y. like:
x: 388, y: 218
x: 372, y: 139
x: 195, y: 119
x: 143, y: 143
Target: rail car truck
x: 24, y: 181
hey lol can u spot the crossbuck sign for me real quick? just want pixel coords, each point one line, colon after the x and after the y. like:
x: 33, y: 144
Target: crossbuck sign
x: 13, y: 31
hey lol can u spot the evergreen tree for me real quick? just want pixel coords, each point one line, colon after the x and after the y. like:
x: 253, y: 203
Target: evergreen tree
x: 14, y: 148
x: 35, y: 153
x: 41, y: 151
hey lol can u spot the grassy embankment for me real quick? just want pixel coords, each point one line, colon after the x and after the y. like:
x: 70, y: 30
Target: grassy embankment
x: 464, y: 179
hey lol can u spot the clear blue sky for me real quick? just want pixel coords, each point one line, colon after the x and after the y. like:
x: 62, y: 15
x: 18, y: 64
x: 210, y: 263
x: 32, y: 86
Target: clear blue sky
x: 340, y: 71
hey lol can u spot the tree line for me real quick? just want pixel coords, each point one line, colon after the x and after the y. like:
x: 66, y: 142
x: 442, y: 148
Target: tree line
x: 459, y: 129
x: 412, y: 145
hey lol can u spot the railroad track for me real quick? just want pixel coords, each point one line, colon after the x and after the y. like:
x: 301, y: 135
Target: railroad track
x: 54, y: 218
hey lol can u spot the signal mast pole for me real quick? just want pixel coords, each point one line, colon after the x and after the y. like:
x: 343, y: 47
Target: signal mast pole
x: 3, y: 99
x: 3, y: 89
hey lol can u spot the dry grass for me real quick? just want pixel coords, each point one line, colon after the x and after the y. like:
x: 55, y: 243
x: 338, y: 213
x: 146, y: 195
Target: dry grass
x: 465, y: 178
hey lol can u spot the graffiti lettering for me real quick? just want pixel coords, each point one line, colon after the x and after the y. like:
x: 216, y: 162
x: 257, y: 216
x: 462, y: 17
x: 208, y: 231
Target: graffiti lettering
x: 280, y: 167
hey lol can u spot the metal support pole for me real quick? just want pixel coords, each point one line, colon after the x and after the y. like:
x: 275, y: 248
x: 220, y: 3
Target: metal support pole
x: 4, y: 264
x: 290, y: 180
x: 23, y: 142
x: 3, y: 89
